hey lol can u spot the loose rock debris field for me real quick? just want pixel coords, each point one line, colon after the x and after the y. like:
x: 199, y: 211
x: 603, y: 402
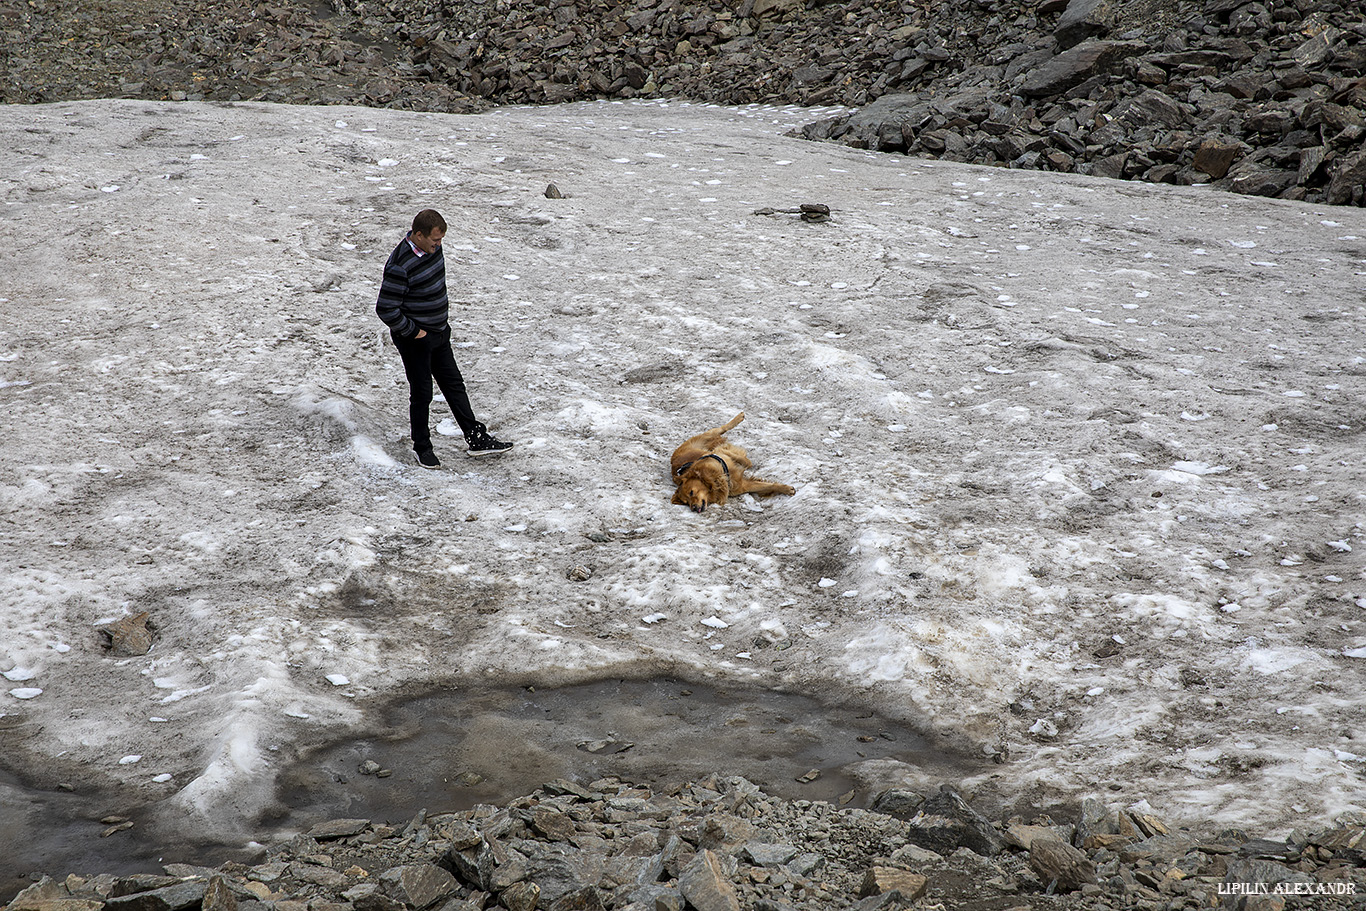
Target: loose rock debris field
x: 1078, y: 463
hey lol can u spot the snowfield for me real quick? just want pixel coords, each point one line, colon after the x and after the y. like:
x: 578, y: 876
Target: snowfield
x: 1079, y: 470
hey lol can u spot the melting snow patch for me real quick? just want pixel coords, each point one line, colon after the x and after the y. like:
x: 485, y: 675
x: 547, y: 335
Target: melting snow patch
x: 130, y: 759
x: 338, y: 679
x: 654, y: 618
x: 715, y: 623
x: 1273, y: 661
x: 1354, y: 652
x: 25, y: 692
x: 1198, y: 468
x: 371, y: 453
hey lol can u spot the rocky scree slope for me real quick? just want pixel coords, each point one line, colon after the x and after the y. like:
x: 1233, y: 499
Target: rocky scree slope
x: 1265, y: 97
x: 723, y: 845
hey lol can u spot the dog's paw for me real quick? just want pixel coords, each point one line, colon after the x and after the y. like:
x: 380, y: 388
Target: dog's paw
x: 786, y: 489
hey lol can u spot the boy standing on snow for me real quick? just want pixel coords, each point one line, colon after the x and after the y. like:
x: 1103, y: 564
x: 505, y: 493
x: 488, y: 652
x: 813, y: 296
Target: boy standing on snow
x: 414, y: 305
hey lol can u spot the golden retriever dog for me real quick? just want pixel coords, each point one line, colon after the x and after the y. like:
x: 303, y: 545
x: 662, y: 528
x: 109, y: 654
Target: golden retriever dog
x: 708, y: 469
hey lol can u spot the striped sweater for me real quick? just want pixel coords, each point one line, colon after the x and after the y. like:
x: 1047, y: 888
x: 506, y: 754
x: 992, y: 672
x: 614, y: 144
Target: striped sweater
x: 413, y: 293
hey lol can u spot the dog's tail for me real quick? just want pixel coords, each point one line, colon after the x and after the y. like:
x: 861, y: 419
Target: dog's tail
x: 733, y: 422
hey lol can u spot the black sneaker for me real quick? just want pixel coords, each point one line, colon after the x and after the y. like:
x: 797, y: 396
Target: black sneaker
x: 427, y: 459
x: 481, y: 444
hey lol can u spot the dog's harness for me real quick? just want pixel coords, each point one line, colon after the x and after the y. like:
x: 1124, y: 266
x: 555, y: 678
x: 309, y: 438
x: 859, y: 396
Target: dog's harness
x: 711, y: 455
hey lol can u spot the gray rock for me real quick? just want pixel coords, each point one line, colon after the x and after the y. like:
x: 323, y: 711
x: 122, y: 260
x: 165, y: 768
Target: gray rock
x: 1060, y: 865
x: 338, y: 828
x: 168, y: 898
x: 1216, y: 155
x: 899, y: 802
x: 552, y: 824
x: 474, y: 865
x: 1160, y: 849
x: 521, y: 896
x: 377, y: 901
x: 131, y: 636
x: 141, y: 882
x: 1265, y: 848
x: 1074, y: 66
x: 879, y: 880
x: 912, y: 855
x: 359, y: 891
x: 1252, y: 180
x: 218, y: 896
x: 881, y: 125
x: 585, y: 899
x: 1349, y: 176
x: 946, y: 822
x: 318, y: 875
x: 806, y: 864
x: 421, y: 885
x: 1264, y: 872
x: 768, y: 855
x: 559, y: 868
x: 1081, y: 20
x: 49, y: 895
x: 562, y: 786
x: 705, y: 886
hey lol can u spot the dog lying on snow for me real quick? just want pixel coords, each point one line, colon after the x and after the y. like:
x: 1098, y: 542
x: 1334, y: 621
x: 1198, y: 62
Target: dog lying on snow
x: 708, y: 468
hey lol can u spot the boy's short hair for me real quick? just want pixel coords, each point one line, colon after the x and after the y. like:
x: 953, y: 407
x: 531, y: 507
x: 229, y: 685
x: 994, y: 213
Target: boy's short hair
x: 427, y: 221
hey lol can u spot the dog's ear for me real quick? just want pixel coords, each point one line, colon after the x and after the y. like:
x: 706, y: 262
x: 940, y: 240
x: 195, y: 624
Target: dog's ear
x: 677, y: 498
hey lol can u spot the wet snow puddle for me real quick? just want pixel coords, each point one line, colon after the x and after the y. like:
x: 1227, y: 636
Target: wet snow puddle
x: 452, y: 750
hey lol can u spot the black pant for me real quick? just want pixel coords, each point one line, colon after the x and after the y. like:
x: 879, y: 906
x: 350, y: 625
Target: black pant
x: 424, y: 358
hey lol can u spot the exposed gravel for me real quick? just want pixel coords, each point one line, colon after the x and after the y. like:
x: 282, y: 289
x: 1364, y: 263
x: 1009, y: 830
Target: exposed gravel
x: 1264, y: 97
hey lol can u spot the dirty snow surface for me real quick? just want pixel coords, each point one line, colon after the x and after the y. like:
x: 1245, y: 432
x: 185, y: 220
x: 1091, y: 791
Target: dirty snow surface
x: 1078, y: 463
